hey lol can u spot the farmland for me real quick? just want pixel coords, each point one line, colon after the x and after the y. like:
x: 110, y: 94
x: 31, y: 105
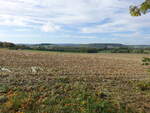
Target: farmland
x: 53, y: 82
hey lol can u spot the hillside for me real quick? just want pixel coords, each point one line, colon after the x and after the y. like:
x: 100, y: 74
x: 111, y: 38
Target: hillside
x: 90, y: 45
x: 82, y: 48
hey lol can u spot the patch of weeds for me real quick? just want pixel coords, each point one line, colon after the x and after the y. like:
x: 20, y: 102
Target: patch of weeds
x: 146, y: 61
x: 3, y: 88
x: 127, y: 109
x: 63, y: 79
x: 18, y: 99
x: 144, y: 85
x: 62, y: 97
x: 79, y: 99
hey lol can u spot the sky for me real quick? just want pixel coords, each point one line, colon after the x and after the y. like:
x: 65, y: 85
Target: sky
x: 72, y: 21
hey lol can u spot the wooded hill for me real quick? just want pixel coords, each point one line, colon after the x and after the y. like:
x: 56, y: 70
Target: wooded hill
x: 83, y: 48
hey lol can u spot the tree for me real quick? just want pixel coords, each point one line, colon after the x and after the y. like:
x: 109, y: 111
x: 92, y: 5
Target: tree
x: 8, y: 44
x: 141, y: 9
x: 1, y: 44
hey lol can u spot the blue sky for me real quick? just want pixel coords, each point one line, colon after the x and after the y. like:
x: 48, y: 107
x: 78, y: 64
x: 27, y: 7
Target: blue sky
x: 72, y: 21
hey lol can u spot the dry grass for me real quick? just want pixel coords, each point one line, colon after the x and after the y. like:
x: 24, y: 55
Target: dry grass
x: 113, y: 77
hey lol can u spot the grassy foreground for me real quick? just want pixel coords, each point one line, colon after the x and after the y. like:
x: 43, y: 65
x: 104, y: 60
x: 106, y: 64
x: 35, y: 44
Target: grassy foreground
x: 62, y: 95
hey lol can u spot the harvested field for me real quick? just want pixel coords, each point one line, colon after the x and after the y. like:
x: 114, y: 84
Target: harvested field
x: 51, y: 82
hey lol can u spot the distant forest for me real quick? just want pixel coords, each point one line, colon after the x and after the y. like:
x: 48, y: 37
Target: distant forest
x: 79, y: 48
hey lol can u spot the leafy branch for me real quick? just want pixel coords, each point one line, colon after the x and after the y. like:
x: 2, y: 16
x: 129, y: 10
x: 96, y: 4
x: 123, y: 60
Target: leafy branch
x: 141, y: 9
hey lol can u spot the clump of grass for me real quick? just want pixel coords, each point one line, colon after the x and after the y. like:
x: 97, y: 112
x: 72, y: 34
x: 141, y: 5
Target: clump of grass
x: 144, y: 85
x: 63, y: 79
x: 146, y: 61
x: 3, y: 88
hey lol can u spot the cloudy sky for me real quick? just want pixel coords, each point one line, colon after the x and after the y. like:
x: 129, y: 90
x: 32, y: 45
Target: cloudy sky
x: 72, y: 21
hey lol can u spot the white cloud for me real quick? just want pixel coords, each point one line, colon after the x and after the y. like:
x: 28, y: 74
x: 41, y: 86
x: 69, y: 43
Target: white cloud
x: 120, y: 23
x: 12, y: 20
x: 48, y: 15
x: 134, y: 35
x: 79, y: 36
x: 50, y: 27
x: 63, y: 11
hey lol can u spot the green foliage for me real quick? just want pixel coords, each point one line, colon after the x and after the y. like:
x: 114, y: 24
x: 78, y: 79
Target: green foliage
x: 17, y: 99
x: 62, y: 97
x: 142, y: 9
x: 144, y: 85
x: 135, y: 11
x: 146, y: 61
x: 93, y: 50
x: 68, y: 49
x: 13, y: 46
x: 3, y: 88
x: 6, y: 44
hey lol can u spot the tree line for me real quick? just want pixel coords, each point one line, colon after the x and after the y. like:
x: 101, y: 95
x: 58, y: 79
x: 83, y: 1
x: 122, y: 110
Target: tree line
x: 75, y: 49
